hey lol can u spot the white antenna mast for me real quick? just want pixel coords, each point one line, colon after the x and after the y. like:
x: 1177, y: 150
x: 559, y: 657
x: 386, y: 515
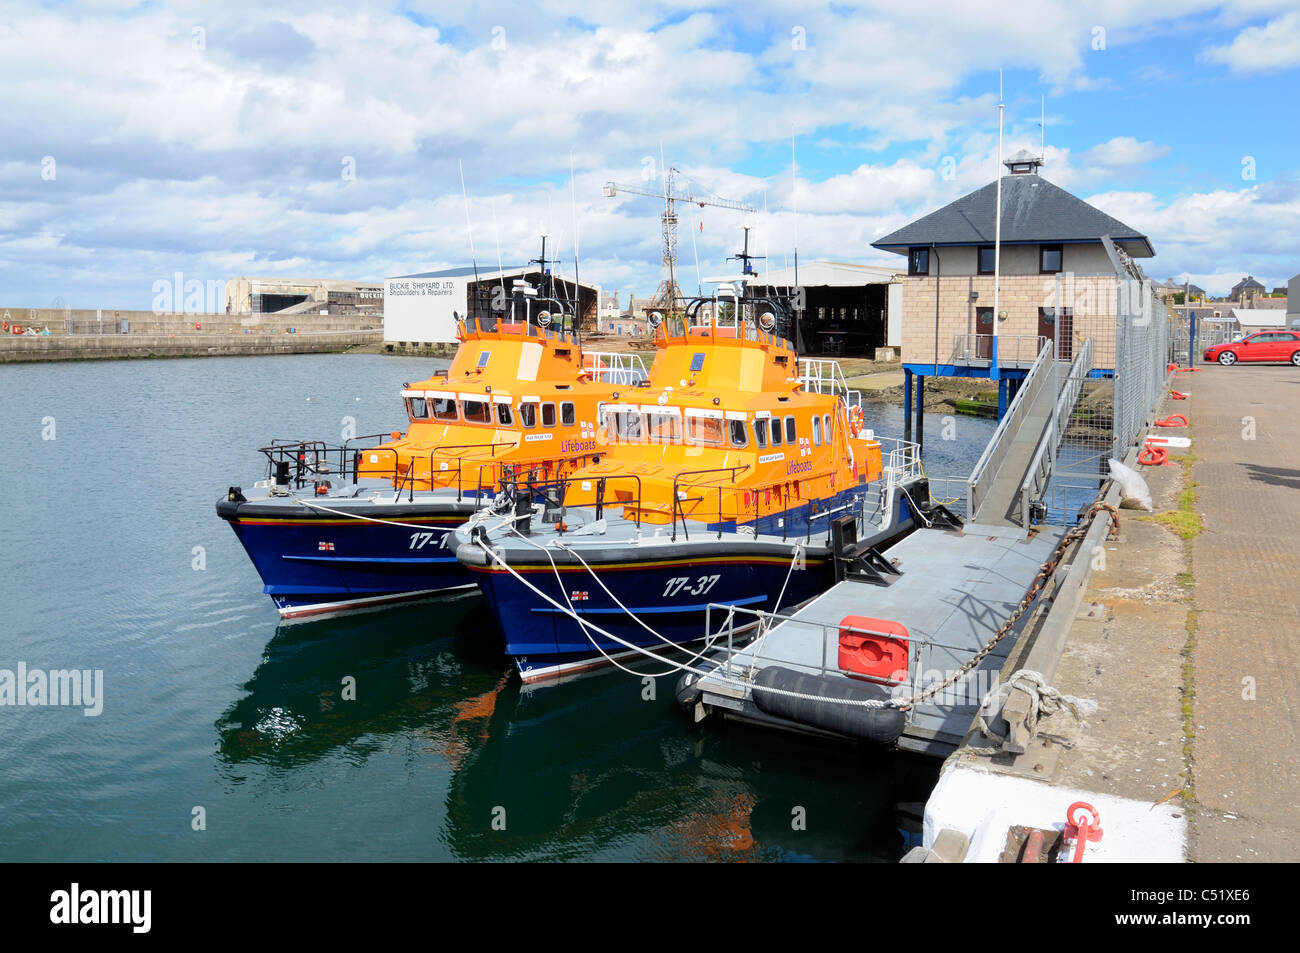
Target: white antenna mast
x: 577, y: 288
x: 1042, y: 128
x: 468, y: 228
x: 997, y: 244
x: 794, y: 205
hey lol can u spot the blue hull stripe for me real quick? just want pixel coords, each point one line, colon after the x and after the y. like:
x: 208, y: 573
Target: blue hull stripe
x: 384, y: 560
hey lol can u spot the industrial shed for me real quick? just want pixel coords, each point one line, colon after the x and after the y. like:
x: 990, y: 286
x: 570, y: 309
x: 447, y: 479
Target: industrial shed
x: 846, y: 308
x: 418, y: 309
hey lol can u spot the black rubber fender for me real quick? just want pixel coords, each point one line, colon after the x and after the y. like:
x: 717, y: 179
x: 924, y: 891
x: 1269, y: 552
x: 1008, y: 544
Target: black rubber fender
x: 877, y: 725
x: 688, y: 691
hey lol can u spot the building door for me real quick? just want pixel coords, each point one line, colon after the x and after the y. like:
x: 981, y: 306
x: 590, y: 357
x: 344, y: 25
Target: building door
x: 1060, y: 329
x: 984, y: 332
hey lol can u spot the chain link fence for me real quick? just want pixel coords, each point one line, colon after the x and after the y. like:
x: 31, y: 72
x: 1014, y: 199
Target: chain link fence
x: 1133, y: 337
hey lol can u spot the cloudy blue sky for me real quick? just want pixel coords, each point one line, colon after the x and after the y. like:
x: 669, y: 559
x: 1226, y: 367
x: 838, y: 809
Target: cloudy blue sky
x: 322, y: 140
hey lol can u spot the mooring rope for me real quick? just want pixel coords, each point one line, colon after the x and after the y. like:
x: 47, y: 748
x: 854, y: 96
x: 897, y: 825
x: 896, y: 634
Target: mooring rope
x: 1044, y: 573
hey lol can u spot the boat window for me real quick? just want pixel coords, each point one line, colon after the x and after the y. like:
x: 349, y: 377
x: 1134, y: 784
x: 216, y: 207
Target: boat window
x: 528, y: 414
x: 600, y: 415
x: 790, y: 433
x: 736, y: 433
x: 776, y: 431
x: 476, y: 411
x: 567, y: 414
x: 817, y: 432
x: 627, y: 426
x: 707, y: 430
x: 826, y: 426
x: 417, y: 408
x: 548, y: 415
x: 663, y: 428
x: 444, y: 408
x: 504, y: 417
x: 760, y: 433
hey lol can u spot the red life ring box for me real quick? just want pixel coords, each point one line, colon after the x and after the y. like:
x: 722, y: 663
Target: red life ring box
x: 873, y: 648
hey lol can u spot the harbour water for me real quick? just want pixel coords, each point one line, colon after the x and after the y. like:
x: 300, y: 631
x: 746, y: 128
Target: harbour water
x: 218, y: 718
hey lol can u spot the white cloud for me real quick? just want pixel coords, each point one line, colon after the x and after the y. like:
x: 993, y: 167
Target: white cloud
x: 1213, y: 235
x: 1274, y: 46
x: 227, y: 158
x: 1123, y: 152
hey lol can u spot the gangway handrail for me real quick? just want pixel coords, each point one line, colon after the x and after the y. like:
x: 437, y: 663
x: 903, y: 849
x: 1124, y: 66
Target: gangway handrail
x: 1044, y: 462
x: 995, y: 451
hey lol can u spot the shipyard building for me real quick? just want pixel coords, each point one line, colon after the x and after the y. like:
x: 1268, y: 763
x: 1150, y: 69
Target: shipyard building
x: 421, y: 309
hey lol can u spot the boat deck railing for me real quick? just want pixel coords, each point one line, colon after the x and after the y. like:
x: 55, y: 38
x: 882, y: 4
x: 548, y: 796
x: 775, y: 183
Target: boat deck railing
x: 746, y: 648
x: 823, y: 376
x: 609, y: 367
x: 305, y: 461
x: 311, y: 462
x: 900, y: 460
x: 489, y: 324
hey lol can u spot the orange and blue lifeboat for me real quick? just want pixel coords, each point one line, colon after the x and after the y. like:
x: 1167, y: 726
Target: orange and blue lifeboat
x: 366, y: 522
x: 717, y: 484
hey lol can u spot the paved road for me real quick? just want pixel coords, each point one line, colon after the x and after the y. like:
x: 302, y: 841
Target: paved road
x: 1246, y: 663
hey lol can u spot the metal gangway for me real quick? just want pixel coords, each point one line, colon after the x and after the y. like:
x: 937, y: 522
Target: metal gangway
x: 1017, y: 464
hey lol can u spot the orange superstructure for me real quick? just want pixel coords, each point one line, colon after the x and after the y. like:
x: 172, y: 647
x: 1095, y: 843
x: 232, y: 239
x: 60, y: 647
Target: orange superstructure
x: 517, y: 395
x: 728, y: 427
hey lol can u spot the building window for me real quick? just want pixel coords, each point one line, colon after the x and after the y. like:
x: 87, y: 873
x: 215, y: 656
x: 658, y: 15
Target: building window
x: 1049, y: 259
x: 918, y: 261
x: 986, y: 260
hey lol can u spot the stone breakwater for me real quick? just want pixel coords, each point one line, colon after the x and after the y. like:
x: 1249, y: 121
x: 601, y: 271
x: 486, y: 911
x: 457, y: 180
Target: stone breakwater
x: 91, y: 347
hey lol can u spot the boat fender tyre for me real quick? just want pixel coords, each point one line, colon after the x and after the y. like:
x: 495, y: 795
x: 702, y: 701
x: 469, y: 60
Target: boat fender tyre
x: 688, y: 691
x: 877, y: 725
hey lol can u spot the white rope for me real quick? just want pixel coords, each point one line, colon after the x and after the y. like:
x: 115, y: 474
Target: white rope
x: 708, y: 640
x: 682, y: 667
x: 357, y: 516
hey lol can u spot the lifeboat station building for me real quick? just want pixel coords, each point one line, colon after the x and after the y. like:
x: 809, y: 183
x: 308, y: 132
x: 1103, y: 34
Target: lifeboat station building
x: 419, y: 309
x: 1063, y: 263
x: 843, y: 308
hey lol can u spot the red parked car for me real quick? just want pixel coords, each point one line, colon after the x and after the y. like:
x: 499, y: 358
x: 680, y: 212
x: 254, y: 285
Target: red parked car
x: 1276, y: 347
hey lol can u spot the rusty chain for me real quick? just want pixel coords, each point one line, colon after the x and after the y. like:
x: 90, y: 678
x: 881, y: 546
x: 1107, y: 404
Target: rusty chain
x: 1045, y: 572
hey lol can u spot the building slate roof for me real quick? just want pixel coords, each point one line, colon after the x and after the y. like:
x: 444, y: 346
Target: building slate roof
x: 1034, y: 211
x: 466, y: 271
